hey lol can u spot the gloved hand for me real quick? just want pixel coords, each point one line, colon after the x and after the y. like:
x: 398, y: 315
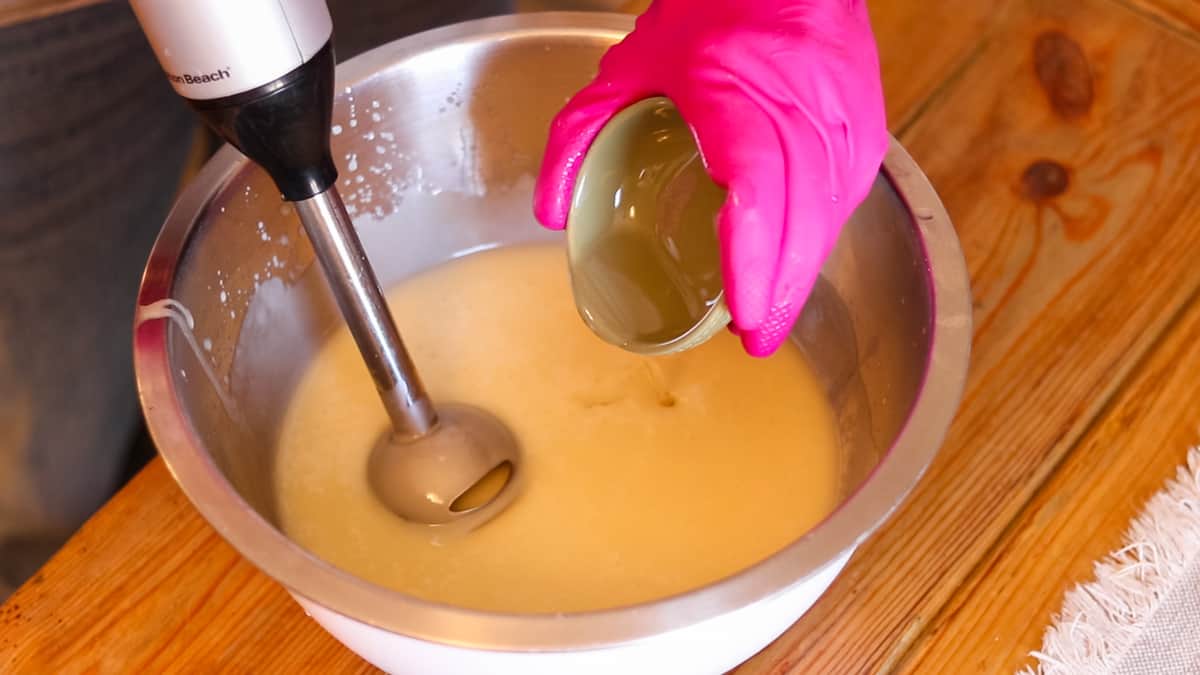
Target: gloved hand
x: 785, y: 102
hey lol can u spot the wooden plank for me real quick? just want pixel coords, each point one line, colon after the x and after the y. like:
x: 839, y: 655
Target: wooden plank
x: 1183, y: 15
x: 1067, y: 154
x: 994, y: 621
x: 923, y: 45
x: 147, y: 586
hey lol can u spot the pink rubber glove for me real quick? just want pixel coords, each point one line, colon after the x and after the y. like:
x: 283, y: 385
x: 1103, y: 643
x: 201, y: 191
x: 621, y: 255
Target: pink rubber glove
x: 785, y: 101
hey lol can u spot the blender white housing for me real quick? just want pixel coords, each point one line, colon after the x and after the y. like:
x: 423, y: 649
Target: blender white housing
x: 216, y: 48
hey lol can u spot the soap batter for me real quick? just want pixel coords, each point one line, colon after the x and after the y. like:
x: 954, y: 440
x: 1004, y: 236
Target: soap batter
x: 643, y: 478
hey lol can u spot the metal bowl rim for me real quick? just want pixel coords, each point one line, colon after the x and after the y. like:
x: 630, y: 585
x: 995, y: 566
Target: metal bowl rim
x: 304, y: 574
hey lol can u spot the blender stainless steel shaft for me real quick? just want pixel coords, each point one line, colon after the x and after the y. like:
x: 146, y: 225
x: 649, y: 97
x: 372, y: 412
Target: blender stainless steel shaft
x: 356, y: 291
x: 261, y: 74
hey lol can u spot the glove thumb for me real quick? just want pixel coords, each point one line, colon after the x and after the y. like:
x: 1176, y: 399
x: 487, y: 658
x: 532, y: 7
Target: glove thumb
x: 571, y: 135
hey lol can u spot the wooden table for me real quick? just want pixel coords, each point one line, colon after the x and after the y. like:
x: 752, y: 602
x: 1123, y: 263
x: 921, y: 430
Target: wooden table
x: 1064, y: 137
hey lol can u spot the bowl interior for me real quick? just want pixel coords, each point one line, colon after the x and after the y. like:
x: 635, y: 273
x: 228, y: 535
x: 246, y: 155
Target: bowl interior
x: 437, y: 141
x: 437, y: 163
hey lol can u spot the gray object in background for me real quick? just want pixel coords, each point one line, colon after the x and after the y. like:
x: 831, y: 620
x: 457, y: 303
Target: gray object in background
x: 93, y: 143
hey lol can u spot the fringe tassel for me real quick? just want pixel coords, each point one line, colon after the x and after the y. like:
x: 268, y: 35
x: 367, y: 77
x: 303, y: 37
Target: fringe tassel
x: 1102, y: 619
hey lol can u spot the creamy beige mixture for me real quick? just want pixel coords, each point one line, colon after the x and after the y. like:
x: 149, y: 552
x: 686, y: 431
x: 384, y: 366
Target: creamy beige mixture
x: 645, y: 478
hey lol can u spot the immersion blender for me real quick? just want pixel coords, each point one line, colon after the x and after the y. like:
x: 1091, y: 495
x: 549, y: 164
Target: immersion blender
x: 261, y: 74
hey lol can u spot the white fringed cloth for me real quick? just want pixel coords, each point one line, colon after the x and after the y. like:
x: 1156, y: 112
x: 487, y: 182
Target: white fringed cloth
x: 1141, y: 614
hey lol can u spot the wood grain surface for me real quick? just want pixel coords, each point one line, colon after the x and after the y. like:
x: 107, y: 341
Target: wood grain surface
x: 924, y: 47
x: 997, y: 617
x: 1064, y: 138
x: 1183, y: 15
x: 153, y: 589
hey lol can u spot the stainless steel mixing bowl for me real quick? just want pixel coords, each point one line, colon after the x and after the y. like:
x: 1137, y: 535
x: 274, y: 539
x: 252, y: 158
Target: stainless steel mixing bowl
x: 438, y: 137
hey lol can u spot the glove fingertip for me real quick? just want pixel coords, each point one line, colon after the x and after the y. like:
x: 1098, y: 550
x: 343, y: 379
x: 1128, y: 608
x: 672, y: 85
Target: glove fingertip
x: 768, y: 337
x: 552, y: 199
x: 555, y: 185
x: 758, y: 344
x: 745, y: 263
x: 571, y: 135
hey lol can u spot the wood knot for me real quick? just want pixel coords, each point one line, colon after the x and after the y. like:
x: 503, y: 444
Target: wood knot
x: 1064, y: 73
x: 1045, y: 179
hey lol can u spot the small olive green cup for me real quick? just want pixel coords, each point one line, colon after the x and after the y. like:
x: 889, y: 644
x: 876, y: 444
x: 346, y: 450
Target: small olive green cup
x: 641, y: 235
